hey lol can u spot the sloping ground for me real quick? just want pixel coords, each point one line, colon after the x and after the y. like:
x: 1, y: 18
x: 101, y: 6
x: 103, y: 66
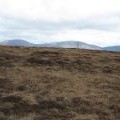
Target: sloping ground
x: 59, y: 84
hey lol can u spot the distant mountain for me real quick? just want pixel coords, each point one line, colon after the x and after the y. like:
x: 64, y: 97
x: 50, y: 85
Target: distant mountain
x: 17, y: 42
x: 70, y: 44
x: 112, y: 48
x: 63, y: 44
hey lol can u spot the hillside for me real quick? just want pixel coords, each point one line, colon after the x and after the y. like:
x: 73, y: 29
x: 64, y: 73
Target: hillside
x: 59, y: 84
x: 70, y: 44
x: 16, y: 42
x: 112, y: 48
x: 64, y: 44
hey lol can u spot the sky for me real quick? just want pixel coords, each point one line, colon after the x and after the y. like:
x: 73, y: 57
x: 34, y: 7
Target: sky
x: 42, y: 21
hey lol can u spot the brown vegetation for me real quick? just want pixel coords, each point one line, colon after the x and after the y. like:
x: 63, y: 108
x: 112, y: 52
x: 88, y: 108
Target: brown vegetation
x: 59, y: 84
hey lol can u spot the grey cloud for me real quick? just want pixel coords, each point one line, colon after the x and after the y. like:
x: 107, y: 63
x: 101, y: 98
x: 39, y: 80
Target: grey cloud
x: 15, y: 27
x: 46, y: 27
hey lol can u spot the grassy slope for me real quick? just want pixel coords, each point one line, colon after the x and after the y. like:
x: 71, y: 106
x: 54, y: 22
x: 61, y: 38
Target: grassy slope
x: 59, y: 84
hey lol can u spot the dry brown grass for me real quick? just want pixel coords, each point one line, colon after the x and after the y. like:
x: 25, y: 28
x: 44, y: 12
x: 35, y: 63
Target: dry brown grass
x: 59, y: 84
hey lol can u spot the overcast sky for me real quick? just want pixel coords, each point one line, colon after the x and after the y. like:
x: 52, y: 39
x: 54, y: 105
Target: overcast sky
x: 92, y: 21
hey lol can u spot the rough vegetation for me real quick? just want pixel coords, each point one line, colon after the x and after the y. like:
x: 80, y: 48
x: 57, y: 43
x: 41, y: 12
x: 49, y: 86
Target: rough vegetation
x: 59, y: 84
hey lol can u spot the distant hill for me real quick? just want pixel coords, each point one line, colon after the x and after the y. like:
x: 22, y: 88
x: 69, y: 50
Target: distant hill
x: 112, y: 48
x: 70, y: 44
x: 63, y: 44
x: 17, y: 42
